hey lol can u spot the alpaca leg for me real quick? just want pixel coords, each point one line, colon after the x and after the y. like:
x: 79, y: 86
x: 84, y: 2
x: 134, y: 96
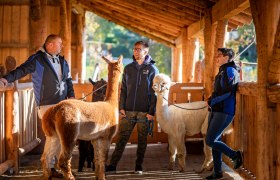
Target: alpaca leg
x: 64, y: 161
x: 181, y: 153
x: 101, y: 147
x: 208, y: 160
x: 52, y: 147
x: 172, y: 152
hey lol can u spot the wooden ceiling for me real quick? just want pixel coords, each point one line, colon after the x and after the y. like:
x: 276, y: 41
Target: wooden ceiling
x: 163, y: 20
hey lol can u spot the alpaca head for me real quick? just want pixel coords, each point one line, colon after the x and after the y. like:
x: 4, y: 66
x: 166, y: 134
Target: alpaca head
x: 99, y: 88
x: 161, y: 84
x: 114, y: 65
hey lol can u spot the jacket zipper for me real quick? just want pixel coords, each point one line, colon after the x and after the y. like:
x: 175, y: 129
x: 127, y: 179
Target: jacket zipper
x: 136, y: 89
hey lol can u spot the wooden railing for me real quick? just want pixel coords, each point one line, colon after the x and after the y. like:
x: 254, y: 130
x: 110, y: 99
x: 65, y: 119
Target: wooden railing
x: 244, y: 124
x: 18, y: 124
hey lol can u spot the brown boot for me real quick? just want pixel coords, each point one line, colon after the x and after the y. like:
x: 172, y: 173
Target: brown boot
x: 55, y: 173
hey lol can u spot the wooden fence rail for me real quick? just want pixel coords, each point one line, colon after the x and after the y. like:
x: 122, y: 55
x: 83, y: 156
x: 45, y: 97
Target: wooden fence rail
x: 18, y: 124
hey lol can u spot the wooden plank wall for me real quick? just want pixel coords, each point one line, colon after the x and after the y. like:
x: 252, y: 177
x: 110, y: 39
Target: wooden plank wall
x: 244, y: 133
x: 15, y: 31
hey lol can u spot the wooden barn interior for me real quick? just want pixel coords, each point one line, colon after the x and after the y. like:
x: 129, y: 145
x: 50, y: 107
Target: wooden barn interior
x: 24, y: 25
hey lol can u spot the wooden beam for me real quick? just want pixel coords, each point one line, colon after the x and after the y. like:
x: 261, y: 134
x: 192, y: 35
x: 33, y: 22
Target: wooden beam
x: 243, y: 18
x: 148, y: 10
x: 189, y: 5
x: 170, y: 7
x: 124, y: 19
x: 13, y: 2
x: 195, y: 28
x: 132, y: 11
x: 169, y: 43
x: 124, y: 13
x: 228, y: 8
x: 199, y: 3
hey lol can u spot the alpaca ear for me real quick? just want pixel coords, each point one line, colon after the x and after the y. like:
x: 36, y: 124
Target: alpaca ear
x: 91, y: 81
x: 120, y: 59
x: 109, y: 61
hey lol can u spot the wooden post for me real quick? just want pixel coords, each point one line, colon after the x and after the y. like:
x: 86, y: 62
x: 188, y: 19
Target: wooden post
x: 80, y: 29
x: 65, y: 29
x: 209, y: 39
x: 38, y: 24
x: 185, y: 55
x: 11, y: 127
x: 219, y: 42
x: 277, y: 135
x: 190, y: 60
x: 175, y: 64
x: 265, y: 16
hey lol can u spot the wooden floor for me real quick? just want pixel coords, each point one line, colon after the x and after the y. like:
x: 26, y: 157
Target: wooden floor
x: 155, y: 166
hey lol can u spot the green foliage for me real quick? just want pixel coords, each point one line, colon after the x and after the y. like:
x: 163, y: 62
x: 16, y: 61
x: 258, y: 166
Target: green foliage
x: 239, y: 41
x: 109, y: 38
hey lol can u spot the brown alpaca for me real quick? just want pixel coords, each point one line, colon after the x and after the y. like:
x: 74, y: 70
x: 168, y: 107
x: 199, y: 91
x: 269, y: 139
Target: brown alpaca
x: 73, y: 119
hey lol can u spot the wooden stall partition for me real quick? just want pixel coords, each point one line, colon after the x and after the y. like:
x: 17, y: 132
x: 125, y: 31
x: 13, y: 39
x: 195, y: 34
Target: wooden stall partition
x: 81, y: 90
x: 186, y: 92
x: 245, y: 129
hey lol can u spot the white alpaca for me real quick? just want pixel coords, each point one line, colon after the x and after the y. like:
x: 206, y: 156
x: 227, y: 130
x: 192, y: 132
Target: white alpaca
x: 178, y: 123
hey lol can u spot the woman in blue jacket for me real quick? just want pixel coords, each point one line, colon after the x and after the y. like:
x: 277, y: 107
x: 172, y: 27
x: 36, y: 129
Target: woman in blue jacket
x: 222, y: 103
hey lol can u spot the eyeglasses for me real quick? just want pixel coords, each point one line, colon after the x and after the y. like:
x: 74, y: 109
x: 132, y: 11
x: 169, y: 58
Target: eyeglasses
x: 137, y: 49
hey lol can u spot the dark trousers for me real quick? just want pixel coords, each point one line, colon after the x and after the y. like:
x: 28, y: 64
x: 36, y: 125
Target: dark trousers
x: 86, y: 153
x: 125, y: 129
x: 217, y: 124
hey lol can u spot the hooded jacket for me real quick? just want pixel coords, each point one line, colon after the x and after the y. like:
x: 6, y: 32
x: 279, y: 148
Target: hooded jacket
x: 48, y: 89
x: 137, y: 93
x: 223, y: 98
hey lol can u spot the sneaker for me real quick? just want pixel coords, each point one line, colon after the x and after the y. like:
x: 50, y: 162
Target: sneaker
x: 215, y: 176
x: 110, y: 169
x: 55, y: 173
x: 238, y: 160
x: 138, y: 169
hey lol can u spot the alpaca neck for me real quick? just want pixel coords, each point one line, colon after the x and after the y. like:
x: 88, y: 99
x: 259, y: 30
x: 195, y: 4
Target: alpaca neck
x: 162, y: 108
x: 112, y: 86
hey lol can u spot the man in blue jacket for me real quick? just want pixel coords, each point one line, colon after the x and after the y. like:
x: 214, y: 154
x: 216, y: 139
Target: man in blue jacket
x: 51, y: 77
x: 222, y: 103
x: 137, y: 102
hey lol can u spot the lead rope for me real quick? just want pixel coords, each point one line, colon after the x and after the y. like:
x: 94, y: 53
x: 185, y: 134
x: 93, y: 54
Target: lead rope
x: 83, y: 98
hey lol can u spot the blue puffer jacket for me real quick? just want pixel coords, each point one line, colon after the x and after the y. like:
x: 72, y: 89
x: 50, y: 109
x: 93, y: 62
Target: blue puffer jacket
x: 47, y: 87
x: 223, y: 98
x: 137, y: 93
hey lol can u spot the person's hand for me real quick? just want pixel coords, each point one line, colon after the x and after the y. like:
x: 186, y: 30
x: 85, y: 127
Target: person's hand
x: 4, y: 81
x: 150, y: 117
x: 122, y: 113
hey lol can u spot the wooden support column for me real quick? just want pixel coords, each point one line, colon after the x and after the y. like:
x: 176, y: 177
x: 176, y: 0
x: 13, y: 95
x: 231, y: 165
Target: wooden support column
x: 219, y: 41
x: 209, y: 39
x: 266, y: 18
x: 11, y: 127
x: 175, y: 64
x: 80, y: 46
x: 65, y: 28
x: 38, y: 24
x: 185, y: 55
x: 190, y: 60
